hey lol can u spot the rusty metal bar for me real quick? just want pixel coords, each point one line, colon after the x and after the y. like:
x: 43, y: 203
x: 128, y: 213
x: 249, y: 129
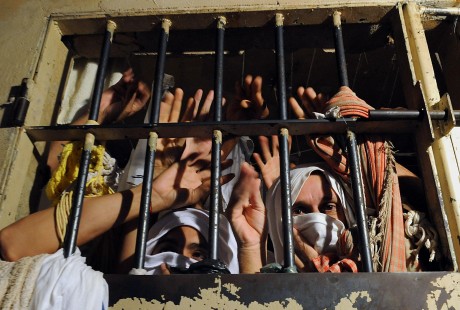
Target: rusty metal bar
x: 283, y: 135
x: 144, y: 211
x: 70, y: 239
x: 352, y: 146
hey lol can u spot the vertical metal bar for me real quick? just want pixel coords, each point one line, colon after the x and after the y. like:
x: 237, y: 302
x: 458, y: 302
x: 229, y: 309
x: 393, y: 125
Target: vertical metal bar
x: 358, y: 196
x: 355, y: 166
x: 288, y: 240
x: 144, y: 211
x: 70, y: 239
x: 101, y: 69
x: 340, y: 50
x: 216, y: 142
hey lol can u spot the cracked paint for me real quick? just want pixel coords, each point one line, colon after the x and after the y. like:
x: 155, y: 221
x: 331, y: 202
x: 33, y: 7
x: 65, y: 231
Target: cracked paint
x: 447, y: 296
x: 350, y: 302
x: 208, y: 298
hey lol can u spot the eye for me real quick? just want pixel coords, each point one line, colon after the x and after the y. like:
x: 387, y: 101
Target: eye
x: 328, y: 207
x: 199, y: 255
x: 299, y: 210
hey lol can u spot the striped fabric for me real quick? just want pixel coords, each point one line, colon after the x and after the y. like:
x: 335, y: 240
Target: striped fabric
x: 322, y: 264
x: 383, y: 197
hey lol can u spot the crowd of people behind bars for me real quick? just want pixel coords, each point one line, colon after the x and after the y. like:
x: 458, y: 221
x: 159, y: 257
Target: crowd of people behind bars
x: 250, y: 233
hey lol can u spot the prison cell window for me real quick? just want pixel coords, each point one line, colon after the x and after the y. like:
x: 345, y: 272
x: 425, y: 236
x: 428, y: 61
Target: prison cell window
x: 273, y: 48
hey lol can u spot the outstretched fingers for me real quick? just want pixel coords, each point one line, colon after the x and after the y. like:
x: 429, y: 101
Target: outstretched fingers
x: 176, y: 106
x: 203, y: 113
x: 310, y: 102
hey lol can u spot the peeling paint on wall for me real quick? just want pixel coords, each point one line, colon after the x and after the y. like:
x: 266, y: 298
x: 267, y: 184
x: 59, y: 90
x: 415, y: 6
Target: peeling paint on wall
x: 447, y: 296
x: 218, y: 297
x: 352, y: 300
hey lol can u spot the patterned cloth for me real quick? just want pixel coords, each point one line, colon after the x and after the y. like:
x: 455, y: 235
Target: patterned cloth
x: 322, y: 264
x: 380, y: 180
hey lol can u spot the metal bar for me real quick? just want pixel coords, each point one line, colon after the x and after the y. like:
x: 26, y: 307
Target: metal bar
x: 442, y: 150
x: 283, y: 135
x: 219, y: 68
x: 358, y: 195
x: 410, y: 115
x: 144, y: 211
x: 237, y: 128
x: 340, y: 50
x: 216, y: 143
x: 70, y: 239
x: 453, y: 11
x: 352, y: 146
x: 101, y: 70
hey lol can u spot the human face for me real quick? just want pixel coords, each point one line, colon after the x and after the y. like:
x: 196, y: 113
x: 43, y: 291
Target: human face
x: 183, y: 240
x: 317, y: 196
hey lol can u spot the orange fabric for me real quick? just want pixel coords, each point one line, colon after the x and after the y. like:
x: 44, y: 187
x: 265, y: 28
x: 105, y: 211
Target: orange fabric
x: 378, y: 168
x: 322, y: 264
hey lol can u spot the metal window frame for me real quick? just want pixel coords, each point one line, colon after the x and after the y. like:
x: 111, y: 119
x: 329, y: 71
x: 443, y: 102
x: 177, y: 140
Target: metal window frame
x: 435, y: 149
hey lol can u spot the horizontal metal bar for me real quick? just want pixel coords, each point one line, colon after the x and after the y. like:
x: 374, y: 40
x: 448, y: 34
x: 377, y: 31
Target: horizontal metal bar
x: 203, y: 130
x: 452, y: 11
x: 401, y: 121
x: 409, y: 115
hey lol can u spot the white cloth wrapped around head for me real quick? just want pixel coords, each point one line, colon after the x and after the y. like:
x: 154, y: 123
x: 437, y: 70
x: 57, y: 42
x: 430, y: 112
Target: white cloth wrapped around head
x: 199, y: 220
x: 298, y: 177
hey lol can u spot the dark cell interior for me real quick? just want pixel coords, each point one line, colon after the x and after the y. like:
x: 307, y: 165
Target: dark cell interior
x: 309, y: 61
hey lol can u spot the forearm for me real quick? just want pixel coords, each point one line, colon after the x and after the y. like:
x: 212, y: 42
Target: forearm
x: 56, y: 146
x: 36, y: 233
x: 126, y: 258
x: 252, y: 259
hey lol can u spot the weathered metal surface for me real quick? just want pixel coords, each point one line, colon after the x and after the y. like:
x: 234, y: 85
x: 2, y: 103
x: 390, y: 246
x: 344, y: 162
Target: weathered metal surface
x: 248, y: 16
x: 199, y: 129
x: 441, y: 149
x: 424, y: 135
x: 435, y: 290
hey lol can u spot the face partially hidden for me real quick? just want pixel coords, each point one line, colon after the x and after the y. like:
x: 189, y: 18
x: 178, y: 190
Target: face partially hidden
x: 317, y: 196
x: 183, y: 240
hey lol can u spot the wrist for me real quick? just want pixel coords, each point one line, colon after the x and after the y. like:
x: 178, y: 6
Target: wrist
x: 251, y: 259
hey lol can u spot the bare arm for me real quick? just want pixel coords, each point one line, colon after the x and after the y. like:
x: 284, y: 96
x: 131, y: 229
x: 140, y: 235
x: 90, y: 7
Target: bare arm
x: 183, y: 183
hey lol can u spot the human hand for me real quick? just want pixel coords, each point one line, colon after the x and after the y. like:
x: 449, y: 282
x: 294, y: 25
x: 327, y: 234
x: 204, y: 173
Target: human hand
x: 246, y: 210
x: 248, y: 103
x: 345, y: 100
x: 124, y: 99
x: 270, y: 163
x: 311, y: 102
x: 184, y: 183
x: 164, y: 269
x: 304, y: 253
x: 169, y: 150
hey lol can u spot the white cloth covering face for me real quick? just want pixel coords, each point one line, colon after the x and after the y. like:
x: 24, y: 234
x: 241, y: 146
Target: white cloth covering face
x: 68, y: 283
x: 298, y: 176
x: 320, y: 230
x: 195, y: 218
